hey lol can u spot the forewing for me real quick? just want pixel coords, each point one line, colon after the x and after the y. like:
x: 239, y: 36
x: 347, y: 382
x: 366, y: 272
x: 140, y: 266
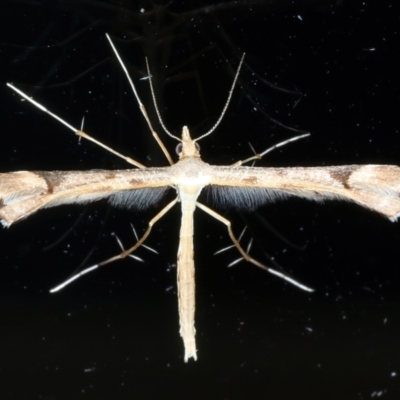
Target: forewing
x: 23, y: 193
x: 376, y: 187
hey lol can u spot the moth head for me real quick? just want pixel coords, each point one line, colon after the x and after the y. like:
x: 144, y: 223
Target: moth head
x: 187, y: 146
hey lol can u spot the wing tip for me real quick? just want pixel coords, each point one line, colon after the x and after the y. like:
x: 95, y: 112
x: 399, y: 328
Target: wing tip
x: 5, y: 223
x: 395, y: 217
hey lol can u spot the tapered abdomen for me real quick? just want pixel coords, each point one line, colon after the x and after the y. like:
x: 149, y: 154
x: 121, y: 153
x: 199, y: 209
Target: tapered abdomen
x: 186, y: 283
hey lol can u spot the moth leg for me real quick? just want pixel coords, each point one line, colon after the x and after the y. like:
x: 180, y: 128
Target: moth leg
x: 232, y: 245
x: 124, y: 253
x: 275, y: 146
x: 244, y: 254
x: 77, y: 132
x: 148, y: 230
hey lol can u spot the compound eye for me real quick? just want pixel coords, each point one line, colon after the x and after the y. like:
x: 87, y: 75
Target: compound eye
x: 178, y: 149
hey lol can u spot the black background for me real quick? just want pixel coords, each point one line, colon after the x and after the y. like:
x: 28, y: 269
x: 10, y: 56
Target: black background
x: 114, y: 333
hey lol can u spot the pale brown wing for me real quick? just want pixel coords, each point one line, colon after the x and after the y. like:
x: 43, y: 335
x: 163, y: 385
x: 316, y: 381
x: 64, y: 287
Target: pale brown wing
x: 23, y: 193
x: 376, y: 187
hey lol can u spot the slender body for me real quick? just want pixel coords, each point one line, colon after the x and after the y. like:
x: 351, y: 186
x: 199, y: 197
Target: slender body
x: 189, y: 176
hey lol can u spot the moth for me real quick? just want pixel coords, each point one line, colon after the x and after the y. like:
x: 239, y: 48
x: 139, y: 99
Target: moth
x: 22, y: 193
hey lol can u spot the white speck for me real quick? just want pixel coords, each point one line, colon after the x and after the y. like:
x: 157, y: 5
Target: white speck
x: 371, y: 49
x: 378, y: 393
x: 142, y: 10
x: 393, y: 374
x: 89, y: 369
x: 299, y: 17
x: 169, y: 288
x: 308, y: 329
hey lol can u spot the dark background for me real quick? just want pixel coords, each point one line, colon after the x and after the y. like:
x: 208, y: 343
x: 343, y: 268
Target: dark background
x: 330, y: 68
